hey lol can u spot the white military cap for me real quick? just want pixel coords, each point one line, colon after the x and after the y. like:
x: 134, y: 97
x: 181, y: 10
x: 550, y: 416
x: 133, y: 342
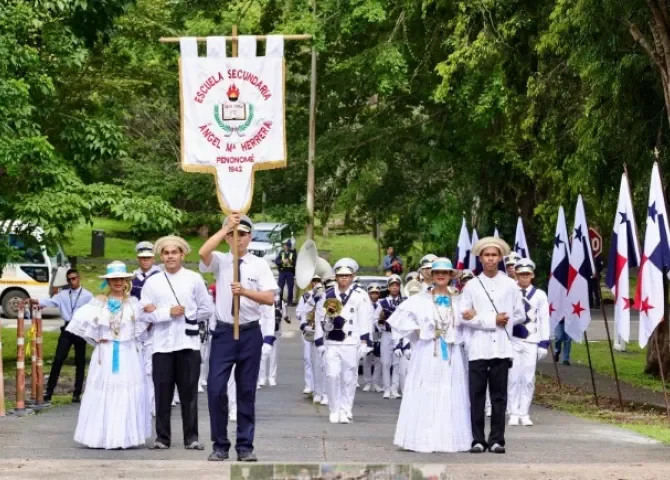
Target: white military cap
x: 346, y: 266
x: 395, y: 278
x: 245, y: 224
x: 144, y: 249
x: 411, y: 276
x: 465, y: 274
x: 426, y: 260
x: 373, y: 287
x: 524, y: 265
x: 512, y: 258
x: 494, y: 242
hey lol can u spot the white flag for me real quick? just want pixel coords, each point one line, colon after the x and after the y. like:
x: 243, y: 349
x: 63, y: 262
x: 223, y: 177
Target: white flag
x: 557, y: 290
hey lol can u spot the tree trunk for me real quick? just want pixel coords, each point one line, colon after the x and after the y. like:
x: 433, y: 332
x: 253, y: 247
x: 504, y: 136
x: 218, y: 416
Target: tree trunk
x: 662, y: 335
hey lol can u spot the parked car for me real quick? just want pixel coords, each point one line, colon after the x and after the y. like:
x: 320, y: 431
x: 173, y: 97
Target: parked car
x: 267, y: 239
x: 365, y: 280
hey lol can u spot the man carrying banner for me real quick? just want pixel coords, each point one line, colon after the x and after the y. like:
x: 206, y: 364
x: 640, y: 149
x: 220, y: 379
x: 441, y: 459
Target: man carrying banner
x: 255, y: 289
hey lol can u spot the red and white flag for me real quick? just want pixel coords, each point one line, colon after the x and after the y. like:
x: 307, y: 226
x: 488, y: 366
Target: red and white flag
x: 475, y: 264
x: 624, y: 254
x: 578, y: 314
x: 557, y: 291
x: 649, y: 294
x: 463, y: 248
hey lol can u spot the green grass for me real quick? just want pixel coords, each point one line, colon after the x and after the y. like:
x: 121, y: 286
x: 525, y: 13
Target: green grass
x: 646, y: 420
x: 630, y: 365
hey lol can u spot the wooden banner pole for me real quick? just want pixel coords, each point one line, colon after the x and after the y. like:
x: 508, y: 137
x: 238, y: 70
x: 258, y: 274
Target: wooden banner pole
x: 236, y: 253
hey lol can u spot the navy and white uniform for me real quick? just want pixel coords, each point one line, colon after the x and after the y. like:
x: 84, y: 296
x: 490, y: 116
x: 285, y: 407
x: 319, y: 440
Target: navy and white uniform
x: 372, y: 367
x: 390, y: 358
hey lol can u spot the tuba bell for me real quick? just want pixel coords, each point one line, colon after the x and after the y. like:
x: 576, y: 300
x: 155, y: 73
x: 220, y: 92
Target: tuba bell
x: 309, y: 264
x: 412, y: 288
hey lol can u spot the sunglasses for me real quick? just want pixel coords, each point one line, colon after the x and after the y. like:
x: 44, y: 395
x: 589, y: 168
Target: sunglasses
x: 72, y: 279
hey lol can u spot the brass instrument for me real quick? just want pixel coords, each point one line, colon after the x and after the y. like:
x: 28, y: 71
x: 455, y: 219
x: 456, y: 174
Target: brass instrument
x: 333, y: 307
x: 381, y: 321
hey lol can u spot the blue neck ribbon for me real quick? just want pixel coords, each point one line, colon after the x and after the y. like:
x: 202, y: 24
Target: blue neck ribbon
x: 442, y: 301
x: 444, y: 348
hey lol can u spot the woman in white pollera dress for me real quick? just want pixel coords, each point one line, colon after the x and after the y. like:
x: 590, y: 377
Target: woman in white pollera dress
x: 435, y: 410
x: 114, y: 411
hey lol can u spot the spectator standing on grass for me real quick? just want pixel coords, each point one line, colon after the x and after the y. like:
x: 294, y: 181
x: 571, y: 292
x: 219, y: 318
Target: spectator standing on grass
x: 67, y: 301
x: 392, y: 263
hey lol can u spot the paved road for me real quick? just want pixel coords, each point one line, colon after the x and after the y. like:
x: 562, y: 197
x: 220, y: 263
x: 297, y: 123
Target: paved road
x: 290, y: 429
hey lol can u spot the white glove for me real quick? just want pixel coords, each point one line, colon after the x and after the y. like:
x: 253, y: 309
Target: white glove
x: 267, y: 348
x: 397, y: 352
x: 363, y: 350
x: 541, y: 353
x: 308, y: 328
x: 407, y: 353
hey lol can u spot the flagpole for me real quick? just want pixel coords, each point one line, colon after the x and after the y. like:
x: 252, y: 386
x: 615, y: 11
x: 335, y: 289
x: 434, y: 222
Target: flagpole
x: 660, y: 366
x: 593, y: 380
x: 553, y: 359
x: 609, y: 344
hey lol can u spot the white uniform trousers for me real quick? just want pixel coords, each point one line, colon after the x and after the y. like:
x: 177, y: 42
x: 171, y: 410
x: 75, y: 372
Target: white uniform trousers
x: 521, y: 386
x: 318, y: 371
x: 341, y: 375
x: 204, y: 363
x: 403, y: 366
x: 269, y: 364
x: 307, y: 364
x: 369, y: 362
x: 390, y: 376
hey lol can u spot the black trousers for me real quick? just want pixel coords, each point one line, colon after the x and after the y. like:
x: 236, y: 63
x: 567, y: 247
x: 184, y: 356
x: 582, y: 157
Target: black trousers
x: 245, y: 355
x: 180, y: 368
x: 492, y: 373
x: 65, y: 341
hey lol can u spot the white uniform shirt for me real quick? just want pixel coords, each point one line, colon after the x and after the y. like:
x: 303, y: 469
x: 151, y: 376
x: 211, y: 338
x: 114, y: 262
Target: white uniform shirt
x: 538, y: 329
x: 483, y: 338
x: 169, y: 333
x: 255, y: 275
x: 357, y: 314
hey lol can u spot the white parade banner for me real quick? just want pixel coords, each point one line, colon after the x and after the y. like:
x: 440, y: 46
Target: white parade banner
x: 232, y: 120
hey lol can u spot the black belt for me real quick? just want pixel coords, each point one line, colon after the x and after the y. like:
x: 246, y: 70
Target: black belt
x: 243, y: 326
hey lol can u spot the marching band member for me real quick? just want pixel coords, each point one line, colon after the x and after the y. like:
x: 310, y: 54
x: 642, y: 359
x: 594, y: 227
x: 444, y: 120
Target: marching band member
x: 303, y: 315
x: 424, y: 270
x: 180, y: 300
x: 530, y: 341
x: 255, y: 289
x: 343, y: 322
x: 269, y: 359
x: 371, y: 362
x: 434, y: 413
x: 466, y: 276
x: 411, y: 276
x: 491, y: 304
x: 391, y: 351
x: 205, y: 342
x: 510, y: 264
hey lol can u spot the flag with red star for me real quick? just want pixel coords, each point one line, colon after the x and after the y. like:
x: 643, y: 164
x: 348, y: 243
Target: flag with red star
x: 580, y: 270
x: 520, y: 244
x: 655, y: 257
x: 463, y: 248
x: 624, y: 254
x: 557, y: 290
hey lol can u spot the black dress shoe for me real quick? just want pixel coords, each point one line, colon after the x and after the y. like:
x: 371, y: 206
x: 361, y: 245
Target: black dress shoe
x: 246, y: 457
x: 496, y: 448
x: 76, y: 398
x: 477, y: 448
x: 218, y: 456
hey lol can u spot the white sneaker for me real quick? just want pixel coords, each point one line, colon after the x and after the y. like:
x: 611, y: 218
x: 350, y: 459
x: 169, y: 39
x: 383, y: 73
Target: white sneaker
x: 258, y: 387
x: 232, y: 416
x: 488, y: 411
x: 261, y: 382
x: 387, y: 394
x: 378, y: 389
x: 395, y: 394
x: 316, y: 399
x: 334, y: 418
x: 200, y: 389
x: 344, y: 418
x: 350, y: 414
x: 367, y: 387
x: 307, y: 391
x: 324, y: 400
x: 513, y: 421
x: 174, y: 404
x: 272, y: 382
x: 526, y: 421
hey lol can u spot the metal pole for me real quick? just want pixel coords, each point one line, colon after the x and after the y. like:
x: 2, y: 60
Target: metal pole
x: 609, y: 344
x: 311, y: 148
x: 2, y: 379
x: 236, y: 254
x: 593, y: 380
x: 553, y: 359
x: 660, y: 367
x: 40, y: 356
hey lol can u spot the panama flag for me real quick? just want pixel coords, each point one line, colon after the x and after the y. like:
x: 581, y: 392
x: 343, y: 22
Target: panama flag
x: 624, y: 254
x: 520, y: 244
x: 557, y: 291
x: 463, y: 249
x: 578, y: 314
x: 475, y: 264
x: 501, y: 263
x: 649, y: 293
